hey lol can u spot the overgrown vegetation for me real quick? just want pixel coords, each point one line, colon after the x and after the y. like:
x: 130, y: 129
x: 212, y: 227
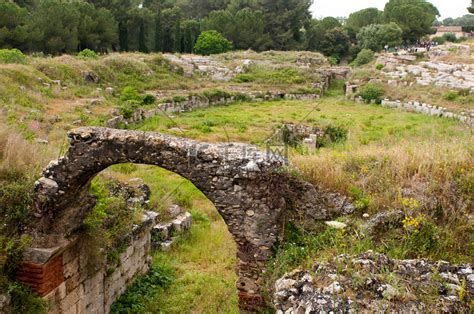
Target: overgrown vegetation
x: 20, y: 161
x: 146, y: 287
x: 372, y: 92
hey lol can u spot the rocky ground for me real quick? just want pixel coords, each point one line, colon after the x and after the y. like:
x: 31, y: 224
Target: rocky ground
x: 373, y: 282
x: 436, y: 72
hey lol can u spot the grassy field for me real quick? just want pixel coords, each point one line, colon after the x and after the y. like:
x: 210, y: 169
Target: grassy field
x: 391, y: 160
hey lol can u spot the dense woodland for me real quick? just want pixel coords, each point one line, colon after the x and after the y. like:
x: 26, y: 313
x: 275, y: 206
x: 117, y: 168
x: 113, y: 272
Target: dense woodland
x: 59, y: 26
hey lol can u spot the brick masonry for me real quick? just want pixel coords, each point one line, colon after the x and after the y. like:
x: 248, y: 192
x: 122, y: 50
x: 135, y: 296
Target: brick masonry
x: 72, y: 280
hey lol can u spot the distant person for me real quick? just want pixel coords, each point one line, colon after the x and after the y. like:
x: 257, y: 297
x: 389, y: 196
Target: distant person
x: 386, y: 48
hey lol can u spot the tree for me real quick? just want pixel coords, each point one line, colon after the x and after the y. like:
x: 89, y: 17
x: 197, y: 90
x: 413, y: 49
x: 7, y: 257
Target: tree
x: 97, y: 29
x: 212, y: 42
x: 362, y: 18
x: 471, y: 8
x: 190, y: 30
x: 158, y: 32
x: 329, y: 22
x: 245, y: 27
x: 335, y: 43
x: 13, y: 32
x: 465, y: 20
x: 376, y: 36
x: 284, y: 21
x: 169, y: 19
x: 120, y: 10
x: 415, y: 17
x: 54, y: 27
x: 140, y: 27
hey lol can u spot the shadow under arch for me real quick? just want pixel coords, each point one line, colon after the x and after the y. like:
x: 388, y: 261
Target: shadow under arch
x: 246, y: 186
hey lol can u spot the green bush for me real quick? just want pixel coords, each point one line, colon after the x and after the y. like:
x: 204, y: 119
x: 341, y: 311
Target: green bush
x: 12, y: 56
x: 333, y: 60
x: 23, y: 300
x: 212, y: 42
x: 88, y: 54
x: 149, y: 99
x: 363, y: 57
x: 371, y: 92
x: 439, y: 39
x: 337, y: 134
x: 451, y: 95
x: 129, y: 93
x: 244, y: 78
x: 450, y: 37
x: 422, y: 240
x: 379, y: 66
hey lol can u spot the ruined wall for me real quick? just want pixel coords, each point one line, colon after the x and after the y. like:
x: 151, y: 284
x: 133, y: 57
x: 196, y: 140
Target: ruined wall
x: 195, y: 102
x: 249, y: 188
x: 73, y: 279
x: 436, y: 111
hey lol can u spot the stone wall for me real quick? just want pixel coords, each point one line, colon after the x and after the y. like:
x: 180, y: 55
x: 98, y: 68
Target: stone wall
x: 196, y: 102
x: 436, y: 111
x: 73, y: 279
x: 249, y: 188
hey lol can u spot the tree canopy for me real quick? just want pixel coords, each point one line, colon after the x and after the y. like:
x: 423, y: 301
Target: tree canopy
x: 362, y: 18
x: 376, y: 36
x: 59, y: 26
x: 415, y: 17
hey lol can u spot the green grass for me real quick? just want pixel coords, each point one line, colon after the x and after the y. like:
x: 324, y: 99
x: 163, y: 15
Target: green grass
x: 367, y: 123
x: 203, y: 260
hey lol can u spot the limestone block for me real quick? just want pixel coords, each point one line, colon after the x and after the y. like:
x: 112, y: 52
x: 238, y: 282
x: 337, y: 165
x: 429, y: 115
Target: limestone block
x: 69, y: 302
x: 71, y: 268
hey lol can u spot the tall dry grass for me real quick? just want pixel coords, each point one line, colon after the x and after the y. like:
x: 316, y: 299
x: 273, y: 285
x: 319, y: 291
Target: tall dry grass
x: 18, y: 155
x: 437, y: 174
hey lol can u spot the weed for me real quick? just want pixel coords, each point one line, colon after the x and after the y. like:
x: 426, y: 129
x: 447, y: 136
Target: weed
x: 150, y: 285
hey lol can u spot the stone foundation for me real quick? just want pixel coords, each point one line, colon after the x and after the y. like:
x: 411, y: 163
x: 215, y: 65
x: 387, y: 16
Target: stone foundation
x: 74, y: 280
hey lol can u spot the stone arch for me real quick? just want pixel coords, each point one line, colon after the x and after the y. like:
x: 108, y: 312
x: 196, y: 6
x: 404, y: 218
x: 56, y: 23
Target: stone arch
x: 246, y: 186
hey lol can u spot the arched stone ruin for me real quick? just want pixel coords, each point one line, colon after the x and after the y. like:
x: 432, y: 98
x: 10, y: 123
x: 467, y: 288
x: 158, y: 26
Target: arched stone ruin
x: 249, y: 188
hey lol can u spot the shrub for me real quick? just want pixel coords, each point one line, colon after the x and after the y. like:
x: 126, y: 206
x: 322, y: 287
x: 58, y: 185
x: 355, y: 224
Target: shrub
x: 379, y: 66
x: 244, y: 78
x: 337, y: 134
x: 24, y: 301
x: 149, y: 99
x: 451, y: 95
x: 333, y: 60
x: 422, y: 237
x: 129, y: 93
x: 88, y: 54
x: 371, y: 92
x: 363, y: 57
x: 450, y: 37
x: 12, y: 56
x: 212, y: 42
x: 439, y: 39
